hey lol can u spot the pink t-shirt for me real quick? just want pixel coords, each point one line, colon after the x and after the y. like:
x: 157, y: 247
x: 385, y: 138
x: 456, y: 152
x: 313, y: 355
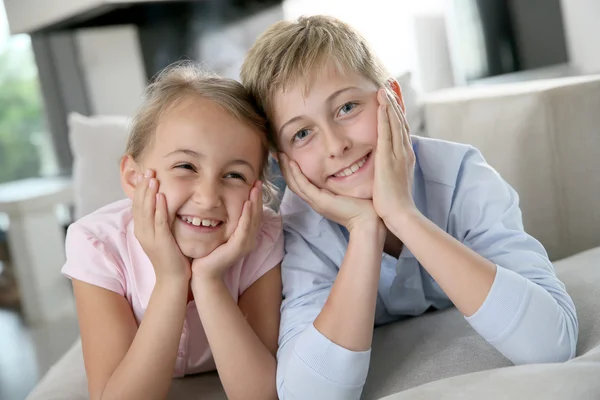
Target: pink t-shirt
x: 102, y: 250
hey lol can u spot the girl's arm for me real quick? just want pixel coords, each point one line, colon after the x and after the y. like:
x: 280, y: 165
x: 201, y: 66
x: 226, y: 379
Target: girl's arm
x: 123, y: 361
x: 243, y: 337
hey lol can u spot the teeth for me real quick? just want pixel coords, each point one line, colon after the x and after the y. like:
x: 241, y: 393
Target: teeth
x: 196, y: 221
x: 351, y: 169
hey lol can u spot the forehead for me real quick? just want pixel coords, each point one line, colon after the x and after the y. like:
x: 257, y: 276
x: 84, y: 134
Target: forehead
x: 312, y: 91
x: 196, y: 123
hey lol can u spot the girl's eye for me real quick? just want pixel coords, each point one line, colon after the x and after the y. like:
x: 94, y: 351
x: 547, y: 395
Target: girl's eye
x: 347, y: 108
x: 186, y: 166
x: 300, y: 135
x: 235, y: 175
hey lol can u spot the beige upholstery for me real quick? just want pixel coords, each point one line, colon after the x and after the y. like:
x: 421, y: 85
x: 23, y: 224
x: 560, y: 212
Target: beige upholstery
x: 544, y: 139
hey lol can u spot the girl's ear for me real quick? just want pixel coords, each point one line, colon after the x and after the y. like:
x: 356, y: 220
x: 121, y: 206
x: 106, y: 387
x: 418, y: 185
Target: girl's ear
x: 130, y: 172
x: 395, y: 86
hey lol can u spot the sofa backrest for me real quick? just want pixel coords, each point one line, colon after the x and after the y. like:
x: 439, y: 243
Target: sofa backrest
x: 543, y: 137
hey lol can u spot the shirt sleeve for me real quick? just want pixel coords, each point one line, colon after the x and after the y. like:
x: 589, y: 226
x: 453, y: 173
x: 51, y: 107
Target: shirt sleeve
x: 89, y: 260
x: 528, y: 315
x: 309, y: 364
x: 268, y: 253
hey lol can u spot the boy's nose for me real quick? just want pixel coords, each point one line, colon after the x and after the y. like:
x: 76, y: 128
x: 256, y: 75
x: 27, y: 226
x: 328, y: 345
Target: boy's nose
x: 336, y: 142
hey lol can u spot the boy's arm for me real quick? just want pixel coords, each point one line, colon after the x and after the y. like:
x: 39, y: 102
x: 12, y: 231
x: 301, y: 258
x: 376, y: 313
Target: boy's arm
x: 330, y: 358
x: 494, y: 272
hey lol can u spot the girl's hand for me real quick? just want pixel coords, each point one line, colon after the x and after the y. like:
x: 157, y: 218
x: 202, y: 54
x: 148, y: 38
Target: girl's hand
x: 347, y: 211
x: 394, y: 162
x: 241, y: 242
x: 152, y: 229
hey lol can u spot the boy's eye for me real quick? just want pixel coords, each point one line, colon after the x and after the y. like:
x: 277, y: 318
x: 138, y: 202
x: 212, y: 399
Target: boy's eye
x: 347, y: 108
x: 236, y: 175
x: 300, y: 135
x: 186, y: 166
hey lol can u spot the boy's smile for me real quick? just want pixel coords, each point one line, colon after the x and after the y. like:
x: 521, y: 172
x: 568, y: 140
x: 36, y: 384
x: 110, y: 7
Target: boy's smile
x: 330, y: 129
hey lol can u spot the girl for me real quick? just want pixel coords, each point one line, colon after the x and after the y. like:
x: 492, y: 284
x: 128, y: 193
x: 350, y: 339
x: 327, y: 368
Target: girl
x: 183, y: 276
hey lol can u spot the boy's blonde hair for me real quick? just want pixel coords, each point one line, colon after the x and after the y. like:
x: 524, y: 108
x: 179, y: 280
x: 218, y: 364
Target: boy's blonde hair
x: 293, y: 50
x: 187, y: 79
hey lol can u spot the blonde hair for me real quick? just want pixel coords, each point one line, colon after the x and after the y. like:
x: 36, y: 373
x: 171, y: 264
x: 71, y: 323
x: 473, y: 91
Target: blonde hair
x: 290, y: 51
x: 182, y: 80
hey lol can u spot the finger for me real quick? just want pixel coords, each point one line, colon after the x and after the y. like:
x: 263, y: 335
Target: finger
x: 289, y: 177
x: 401, y: 115
x: 384, y: 130
x: 161, y: 216
x: 310, y: 191
x: 140, y: 193
x: 257, y: 205
x: 241, y: 230
x: 149, y: 207
x: 396, y: 117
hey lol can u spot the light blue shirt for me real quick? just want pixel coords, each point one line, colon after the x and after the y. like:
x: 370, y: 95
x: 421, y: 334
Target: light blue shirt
x: 528, y: 316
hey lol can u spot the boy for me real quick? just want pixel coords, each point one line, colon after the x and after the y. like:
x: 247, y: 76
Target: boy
x: 380, y: 225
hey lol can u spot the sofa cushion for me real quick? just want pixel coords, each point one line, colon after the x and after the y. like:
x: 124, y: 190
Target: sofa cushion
x: 427, y: 349
x: 97, y: 144
x: 442, y: 345
x: 543, y: 138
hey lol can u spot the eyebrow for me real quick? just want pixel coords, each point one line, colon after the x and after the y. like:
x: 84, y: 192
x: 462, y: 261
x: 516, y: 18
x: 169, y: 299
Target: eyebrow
x: 329, y: 99
x: 194, y: 154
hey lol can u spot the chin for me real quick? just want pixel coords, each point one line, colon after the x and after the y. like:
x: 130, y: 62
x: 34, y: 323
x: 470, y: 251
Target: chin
x: 197, y: 250
x: 360, y: 192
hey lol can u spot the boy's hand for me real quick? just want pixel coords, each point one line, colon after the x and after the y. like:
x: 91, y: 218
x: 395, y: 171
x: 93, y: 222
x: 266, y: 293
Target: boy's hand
x: 152, y: 229
x: 347, y: 211
x: 394, y: 161
x: 241, y: 242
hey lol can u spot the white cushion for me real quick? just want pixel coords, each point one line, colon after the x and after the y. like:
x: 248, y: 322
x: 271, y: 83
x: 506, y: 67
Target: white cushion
x: 97, y: 144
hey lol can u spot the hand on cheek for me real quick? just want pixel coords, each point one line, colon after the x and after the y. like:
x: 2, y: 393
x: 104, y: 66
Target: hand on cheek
x: 239, y: 244
x: 152, y: 228
x: 347, y: 211
x: 394, y: 162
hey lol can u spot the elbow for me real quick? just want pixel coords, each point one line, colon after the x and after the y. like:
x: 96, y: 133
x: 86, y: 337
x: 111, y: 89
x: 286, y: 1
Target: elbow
x: 560, y: 347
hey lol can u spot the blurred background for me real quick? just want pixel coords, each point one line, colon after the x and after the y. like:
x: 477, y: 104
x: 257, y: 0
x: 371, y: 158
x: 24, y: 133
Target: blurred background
x: 94, y: 58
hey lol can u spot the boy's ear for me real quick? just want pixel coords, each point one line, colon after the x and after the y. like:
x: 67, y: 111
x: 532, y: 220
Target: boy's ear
x: 130, y: 171
x: 395, y: 86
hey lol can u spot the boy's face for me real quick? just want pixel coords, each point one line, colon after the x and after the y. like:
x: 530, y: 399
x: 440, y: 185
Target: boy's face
x: 206, y: 161
x: 330, y: 131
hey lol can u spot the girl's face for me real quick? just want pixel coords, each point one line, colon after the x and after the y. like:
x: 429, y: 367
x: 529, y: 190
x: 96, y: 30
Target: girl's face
x: 206, y: 161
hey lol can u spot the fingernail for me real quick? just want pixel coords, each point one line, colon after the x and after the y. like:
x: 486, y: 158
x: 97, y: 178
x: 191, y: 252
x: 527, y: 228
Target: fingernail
x: 148, y: 173
x: 152, y: 183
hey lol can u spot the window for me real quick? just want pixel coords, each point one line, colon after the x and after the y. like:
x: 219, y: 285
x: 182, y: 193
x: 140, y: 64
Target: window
x: 25, y: 147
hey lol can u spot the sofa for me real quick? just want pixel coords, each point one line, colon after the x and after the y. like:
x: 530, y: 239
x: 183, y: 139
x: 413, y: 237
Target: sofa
x: 544, y: 138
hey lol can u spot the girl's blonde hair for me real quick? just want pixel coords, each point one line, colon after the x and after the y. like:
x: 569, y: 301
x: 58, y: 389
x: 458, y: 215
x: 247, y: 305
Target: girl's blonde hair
x: 184, y: 79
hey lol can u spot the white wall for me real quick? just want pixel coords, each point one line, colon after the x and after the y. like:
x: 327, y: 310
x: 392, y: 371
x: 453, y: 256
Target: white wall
x: 113, y: 68
x: 582, y: 28
x: 389, y: 27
